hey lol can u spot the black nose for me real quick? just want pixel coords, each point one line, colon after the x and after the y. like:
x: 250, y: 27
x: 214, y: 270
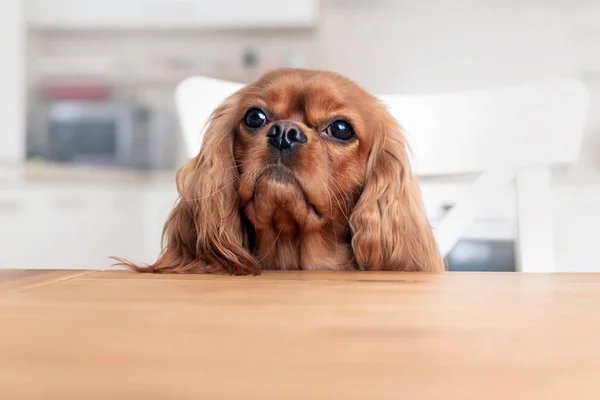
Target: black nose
x: 284, y: 134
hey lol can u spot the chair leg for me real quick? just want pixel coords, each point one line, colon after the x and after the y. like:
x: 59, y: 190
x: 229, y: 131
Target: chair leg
x: 535, y: 223
x: 473, y: 201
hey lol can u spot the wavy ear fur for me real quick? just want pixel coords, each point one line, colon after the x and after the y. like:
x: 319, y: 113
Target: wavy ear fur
x: 204, y: 232
x: 390, y: 228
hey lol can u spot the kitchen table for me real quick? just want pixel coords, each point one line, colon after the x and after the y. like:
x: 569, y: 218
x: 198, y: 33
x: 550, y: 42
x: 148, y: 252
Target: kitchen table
x: 299, y: 335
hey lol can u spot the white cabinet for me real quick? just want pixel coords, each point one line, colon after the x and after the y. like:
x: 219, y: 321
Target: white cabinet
x: 119, y: 14
x: 577, y: 213
x: 12, y: 93
x: 69, y: 227
x: 19, y: 213
x: 157, y: 206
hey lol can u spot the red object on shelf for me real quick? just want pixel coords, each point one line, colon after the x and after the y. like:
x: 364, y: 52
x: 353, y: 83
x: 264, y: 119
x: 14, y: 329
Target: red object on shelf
x: 77, y: 92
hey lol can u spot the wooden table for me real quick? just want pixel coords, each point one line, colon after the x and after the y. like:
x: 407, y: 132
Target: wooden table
x: 120, y: 335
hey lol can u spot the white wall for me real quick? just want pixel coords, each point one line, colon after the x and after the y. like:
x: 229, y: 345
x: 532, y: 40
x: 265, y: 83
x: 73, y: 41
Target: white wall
x: 11, y: 82
x: 435, y: 45
x: 393, y: 46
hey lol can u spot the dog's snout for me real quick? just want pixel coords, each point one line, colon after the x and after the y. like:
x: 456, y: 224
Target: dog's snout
x: 285, y: 135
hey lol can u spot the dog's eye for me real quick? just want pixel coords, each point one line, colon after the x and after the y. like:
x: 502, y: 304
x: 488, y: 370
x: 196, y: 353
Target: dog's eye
x: 340, y: 130
x: 255, y: 118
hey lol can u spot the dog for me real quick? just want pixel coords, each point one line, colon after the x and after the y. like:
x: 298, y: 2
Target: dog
x: 299, y: 170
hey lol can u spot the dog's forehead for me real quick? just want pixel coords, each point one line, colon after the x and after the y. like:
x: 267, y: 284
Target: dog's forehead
x: 317, y: 97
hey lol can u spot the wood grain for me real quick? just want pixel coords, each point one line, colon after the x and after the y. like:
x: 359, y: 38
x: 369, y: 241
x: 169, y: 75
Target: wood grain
x: 299, y: 335
x: 14, y: 280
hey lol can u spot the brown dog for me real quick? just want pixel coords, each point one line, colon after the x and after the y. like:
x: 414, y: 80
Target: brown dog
x: 300, y: 170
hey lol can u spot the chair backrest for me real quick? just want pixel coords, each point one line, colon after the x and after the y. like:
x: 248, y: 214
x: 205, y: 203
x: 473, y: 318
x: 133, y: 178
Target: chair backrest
x: 474, y: 131
x: 196, y: 98
x: 453, y: 133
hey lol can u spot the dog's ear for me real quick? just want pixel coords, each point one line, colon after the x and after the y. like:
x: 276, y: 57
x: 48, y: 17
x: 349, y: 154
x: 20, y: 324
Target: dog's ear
x: 204, y: 232
x: 390, y: 229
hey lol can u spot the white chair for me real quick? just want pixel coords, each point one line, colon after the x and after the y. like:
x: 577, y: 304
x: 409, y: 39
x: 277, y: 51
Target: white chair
x: 507, y: 136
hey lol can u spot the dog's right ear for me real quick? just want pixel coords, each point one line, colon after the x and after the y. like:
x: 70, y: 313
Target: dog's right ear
x: 390, y: 228
x: 204, y: 232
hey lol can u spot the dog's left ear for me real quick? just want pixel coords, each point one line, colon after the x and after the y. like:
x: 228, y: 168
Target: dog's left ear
x: 390, y: 229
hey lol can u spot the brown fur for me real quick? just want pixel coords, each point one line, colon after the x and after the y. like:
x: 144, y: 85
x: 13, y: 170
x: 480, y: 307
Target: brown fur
x: 335, y: 206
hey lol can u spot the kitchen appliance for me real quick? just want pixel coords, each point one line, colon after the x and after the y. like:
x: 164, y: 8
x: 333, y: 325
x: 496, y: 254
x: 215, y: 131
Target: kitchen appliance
x: 101, y: 131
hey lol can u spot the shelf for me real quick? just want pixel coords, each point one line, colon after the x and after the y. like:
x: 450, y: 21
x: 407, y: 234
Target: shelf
x: 169, y: 14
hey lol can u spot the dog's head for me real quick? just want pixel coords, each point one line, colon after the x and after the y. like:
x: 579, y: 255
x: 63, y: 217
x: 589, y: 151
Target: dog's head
x: 299, y: 170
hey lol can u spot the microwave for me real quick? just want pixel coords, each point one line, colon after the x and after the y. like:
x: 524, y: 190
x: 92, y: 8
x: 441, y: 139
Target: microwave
x: 116, y: 133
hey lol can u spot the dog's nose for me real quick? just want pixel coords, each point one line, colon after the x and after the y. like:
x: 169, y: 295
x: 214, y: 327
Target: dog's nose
x: 284, y: 135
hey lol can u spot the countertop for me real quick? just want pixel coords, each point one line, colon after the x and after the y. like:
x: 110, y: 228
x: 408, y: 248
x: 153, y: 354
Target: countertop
x: 48, y: 173
x: 299, y: 335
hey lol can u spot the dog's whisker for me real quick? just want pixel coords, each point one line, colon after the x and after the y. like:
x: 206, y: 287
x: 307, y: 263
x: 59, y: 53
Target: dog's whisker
x: 270, y: 248
x: 335, y: 244
x: 338, y: 202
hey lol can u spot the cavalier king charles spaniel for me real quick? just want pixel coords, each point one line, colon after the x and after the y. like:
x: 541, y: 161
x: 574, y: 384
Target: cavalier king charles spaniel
x: 300, y: 170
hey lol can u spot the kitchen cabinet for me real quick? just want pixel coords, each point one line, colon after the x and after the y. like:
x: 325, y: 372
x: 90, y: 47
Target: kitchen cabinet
x: 126, y: 14
x: 157, y: 206
x: 577, y: 218
x: 69, y: 226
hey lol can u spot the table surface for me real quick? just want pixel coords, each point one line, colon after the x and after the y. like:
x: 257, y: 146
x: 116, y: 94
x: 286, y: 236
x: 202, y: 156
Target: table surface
x: 299, y: 335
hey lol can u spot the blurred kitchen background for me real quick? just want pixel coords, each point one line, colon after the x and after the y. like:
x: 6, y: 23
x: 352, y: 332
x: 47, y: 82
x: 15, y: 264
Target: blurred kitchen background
x: 90, y: 140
